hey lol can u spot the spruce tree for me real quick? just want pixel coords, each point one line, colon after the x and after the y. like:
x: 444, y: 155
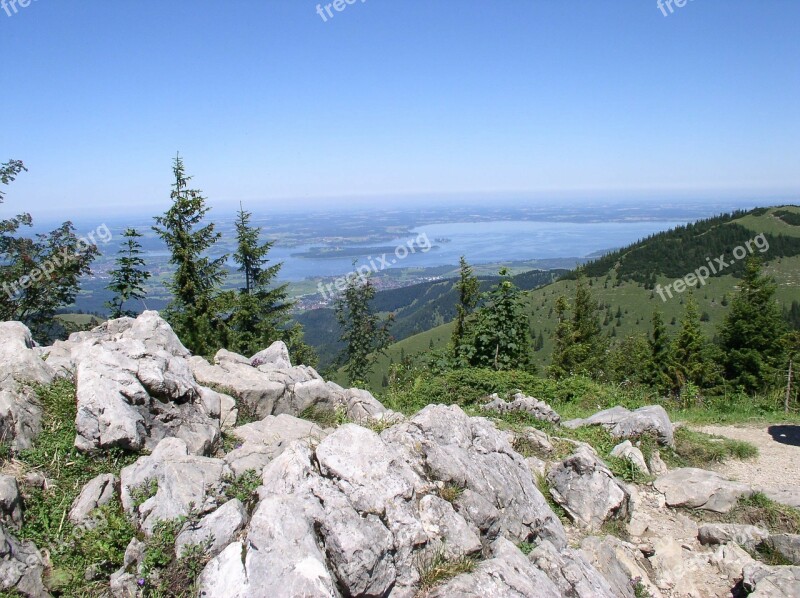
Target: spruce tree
x: 365, y: 334
x: 261, y: 309
x: 468, y: 288
x: 129, y: 277
x: 497, y: 334
x: 563, y: 340
x: 660, y: 365
x: 751, y: 332
x: 693, y: 355
x: 194, y: 311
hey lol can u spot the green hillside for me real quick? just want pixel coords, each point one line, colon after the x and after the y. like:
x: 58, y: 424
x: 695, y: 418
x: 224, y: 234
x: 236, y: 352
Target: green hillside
x: 625, y: 284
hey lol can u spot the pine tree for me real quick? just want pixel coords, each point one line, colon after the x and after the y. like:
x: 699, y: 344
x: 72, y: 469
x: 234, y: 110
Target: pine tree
x: 693, y: 355
x: 497, y: 334
x: 194, y: 311
x: 261, y: 309
x: 364, y: 334
x: 128, y: 279
x: 468, y: 288
x: 660, y: 365
x: 750, y: 333
x: 561, y: 365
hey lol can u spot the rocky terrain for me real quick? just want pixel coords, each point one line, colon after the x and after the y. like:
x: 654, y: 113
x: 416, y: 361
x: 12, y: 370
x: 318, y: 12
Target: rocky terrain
x: 257, y: 478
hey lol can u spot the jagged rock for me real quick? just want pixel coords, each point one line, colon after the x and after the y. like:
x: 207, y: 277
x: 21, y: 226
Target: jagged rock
x: 96, y: 493
x: 20, y: 412
x: 275, y: 356
x: 354, y: 513
x: 538, y: 439
x: 627, y: 451
x: 730, y: 560
x: 214, y: 531
x: 588, y: 491
x: 520, y: 402
x: 182, y: 482
x: 10, y: 502
x: 134, y: 387
x: 763, y: 581
x: 21, y: 566
x: 622, y: 423
x: 508, y: 573
x: 747, y: 536
x: 619, y: 562
x: 569, y: 570
x: 700, y: 489
x: 536, y: 465
x: 656, y: 465
x: 787, y: 545
x: 360, y: 405
x: 124, y: 583
x: 278, y: 431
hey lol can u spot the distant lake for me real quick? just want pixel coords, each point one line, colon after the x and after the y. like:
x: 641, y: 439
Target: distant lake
x: 480, y: 242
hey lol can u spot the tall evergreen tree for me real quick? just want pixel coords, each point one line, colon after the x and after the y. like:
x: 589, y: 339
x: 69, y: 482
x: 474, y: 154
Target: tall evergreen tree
x: 751, y: 332
x: 497, y: 334
x: 693, y: 355
x: 194, y: 311
x: 563, y: 340
x: 260, y: 310
x: 659, y: 367
x: 365, y: 334
x: 129, y: 277
x: 468, y: 289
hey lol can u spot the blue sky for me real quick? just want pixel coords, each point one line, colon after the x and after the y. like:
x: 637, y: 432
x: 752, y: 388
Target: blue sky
x: 269, y: 103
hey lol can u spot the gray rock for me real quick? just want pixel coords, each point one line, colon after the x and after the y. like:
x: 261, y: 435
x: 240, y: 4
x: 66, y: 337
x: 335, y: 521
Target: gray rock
x: 569, y: 570
x: 787, y: 545
x: 520, y: 402
x: 21, y: 566
x: 771, y: 582
x: 619, y: 562
x: 361, y: 406
x: 440, y: 520
x: 785, y: 496
x: 588, y: 491
x: 507, y: 574
x: 656, y: 464
x: 627, y: 451
x: 214, y: 531
x: 622, y: 423
x: 700, y: 489
x: 96, y: 493
x: 10, y: 502
x: 747, y: 536
x: 278, y: 431
x: 275, y: 356
x: 225, y: 575
x: 225, y: 356
x: 184, y: 482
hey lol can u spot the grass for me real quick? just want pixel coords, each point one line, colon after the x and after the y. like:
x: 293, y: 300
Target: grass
x: 450, y: 492
x: 73, y: 549
x: 244, y: 487
x: 696, y: 449
x: 759, y: 510
x: 544, y: 487
x: 434, y: 567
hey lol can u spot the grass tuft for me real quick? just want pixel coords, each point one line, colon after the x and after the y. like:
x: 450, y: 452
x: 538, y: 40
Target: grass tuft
x: 434, y: 567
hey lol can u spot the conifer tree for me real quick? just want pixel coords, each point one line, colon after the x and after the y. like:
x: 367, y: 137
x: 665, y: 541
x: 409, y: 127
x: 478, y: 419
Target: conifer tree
x: 468, y: 289
x: 659, y: 366
x: 751, y: 332
x: 365, y: 334
x: 194, y: 311
x: 497, y: 334
x: 129, y: 277
x: 693, y: 355
x: 561, y: 365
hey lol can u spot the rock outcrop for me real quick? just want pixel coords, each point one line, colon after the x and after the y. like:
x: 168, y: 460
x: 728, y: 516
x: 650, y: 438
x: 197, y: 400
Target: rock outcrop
x: 623, y: 423
x: 520, y: 402
x: 701, y: 489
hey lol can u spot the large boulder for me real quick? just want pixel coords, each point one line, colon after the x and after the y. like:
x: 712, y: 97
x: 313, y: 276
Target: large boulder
x: 762, y: 581
x: 701, y: 489
x: 623, y: 423
x: 569, y: 570
x: 588, y: 491
x: 620, y: 563
x: 747, y: 536
x: 787, y: 545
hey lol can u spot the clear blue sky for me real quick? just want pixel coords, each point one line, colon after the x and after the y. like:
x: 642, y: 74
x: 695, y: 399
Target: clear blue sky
x: 267, y: 102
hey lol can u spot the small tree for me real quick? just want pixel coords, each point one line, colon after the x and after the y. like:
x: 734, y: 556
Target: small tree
x: 468, y: 288
x: 497, y: 335
x: 659, y: 366
x: 128, y: 279
x: 194, y: 309
x: 365, y: 334
x: 694, y: 360
x: 750, y: 333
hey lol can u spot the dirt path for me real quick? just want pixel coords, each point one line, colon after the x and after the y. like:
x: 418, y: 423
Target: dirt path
x: 777, y: 465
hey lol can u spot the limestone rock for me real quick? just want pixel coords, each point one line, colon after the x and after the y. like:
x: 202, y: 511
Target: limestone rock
x: 275, y: 356
x: 21, y: 567
x: 700, y: 489
x: 619, y: 562
x: 569, y: 570
x: 787, y: 545
x: 747, y: 536
x: 622, y: 423
x: 771, y: 582
x: 520, y: 402
x: 588, y: 491
x: 627, y: 451
x: 96, y: 493
x: 214, y: 531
